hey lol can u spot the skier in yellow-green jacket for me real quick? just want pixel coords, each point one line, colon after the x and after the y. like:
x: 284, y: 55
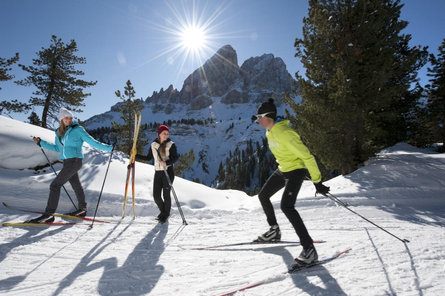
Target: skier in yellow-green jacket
x: 294, y: 162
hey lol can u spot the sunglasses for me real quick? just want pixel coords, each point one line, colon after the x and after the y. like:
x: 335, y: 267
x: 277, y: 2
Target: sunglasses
x: 259, y: 116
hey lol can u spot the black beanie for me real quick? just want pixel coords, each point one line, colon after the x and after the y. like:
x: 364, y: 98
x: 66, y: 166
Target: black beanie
x: 267, y: 107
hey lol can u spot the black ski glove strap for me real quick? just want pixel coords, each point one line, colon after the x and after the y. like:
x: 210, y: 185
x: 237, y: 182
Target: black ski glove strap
x: 320, y: 188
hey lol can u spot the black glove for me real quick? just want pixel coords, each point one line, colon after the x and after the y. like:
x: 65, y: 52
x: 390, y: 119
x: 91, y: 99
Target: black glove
x: 36, y: 140
x: 131, y: 165
x: 320, y: 188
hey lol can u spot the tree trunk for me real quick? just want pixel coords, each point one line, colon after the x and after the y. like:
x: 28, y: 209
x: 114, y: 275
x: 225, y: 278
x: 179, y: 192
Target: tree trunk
x: 46, y: 106
x: 48, y: 97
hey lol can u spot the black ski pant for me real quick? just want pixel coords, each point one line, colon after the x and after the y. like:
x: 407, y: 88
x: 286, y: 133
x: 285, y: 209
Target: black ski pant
x: 68, y: 174
x: 291, y: 181
x: 161, y: 185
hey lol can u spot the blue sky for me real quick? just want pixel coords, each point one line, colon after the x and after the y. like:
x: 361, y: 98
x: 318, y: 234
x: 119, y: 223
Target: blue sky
x: 138, y: 40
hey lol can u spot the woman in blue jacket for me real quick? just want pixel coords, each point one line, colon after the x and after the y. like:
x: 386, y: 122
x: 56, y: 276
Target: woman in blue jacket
x: 69, y: 139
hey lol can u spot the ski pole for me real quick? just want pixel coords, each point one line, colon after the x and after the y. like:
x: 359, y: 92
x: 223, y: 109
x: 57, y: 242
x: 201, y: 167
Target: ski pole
x: 335, y: 199
x: 103, y: 184
x: 66, y: 191
x: 173, y: 190
x: 176, y: 198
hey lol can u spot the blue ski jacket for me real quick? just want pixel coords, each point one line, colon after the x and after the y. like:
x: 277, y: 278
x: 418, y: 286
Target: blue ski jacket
x: 70, y: 144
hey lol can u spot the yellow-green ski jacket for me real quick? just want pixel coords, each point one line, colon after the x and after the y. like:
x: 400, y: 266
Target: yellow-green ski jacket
x: 290, y: 153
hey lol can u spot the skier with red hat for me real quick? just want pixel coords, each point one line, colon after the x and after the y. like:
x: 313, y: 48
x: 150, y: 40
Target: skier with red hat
x: 163, y: 151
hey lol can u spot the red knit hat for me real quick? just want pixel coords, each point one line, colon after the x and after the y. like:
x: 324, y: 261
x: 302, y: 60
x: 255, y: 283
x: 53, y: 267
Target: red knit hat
x: 162, y: 128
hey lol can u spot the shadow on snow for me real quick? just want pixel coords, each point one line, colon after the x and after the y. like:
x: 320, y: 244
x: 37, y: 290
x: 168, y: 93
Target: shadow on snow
x: 139, y: 273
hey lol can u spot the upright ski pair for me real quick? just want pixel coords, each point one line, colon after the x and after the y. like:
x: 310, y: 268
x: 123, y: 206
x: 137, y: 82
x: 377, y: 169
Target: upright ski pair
x: 131, y: 165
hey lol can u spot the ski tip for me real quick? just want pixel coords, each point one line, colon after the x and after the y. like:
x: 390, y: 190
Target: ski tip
x: 344, y: 252
x: 319, y: 241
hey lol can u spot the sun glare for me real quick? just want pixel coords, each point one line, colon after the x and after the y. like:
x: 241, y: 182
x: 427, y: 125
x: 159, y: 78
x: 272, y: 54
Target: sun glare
x: 192, y: 33
x: 193, y: 38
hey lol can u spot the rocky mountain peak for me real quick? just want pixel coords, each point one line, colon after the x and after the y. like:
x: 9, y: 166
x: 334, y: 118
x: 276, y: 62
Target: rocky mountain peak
x: 268, y: 71
x: 213, y: 79
x: 221, y: 77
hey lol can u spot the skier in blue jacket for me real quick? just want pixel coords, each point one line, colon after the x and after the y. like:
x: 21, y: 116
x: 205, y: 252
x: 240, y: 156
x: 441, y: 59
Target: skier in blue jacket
x: 69, y: 139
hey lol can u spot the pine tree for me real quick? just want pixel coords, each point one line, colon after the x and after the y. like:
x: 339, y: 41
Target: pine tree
x: 124, y: 132
x: 221, y: 173
x: 13, y: 106
x: 56, y: 79
x: 34, y: 119
x: 241, y: 169
x: 5, y: 67
x: 436, y: 97
x: 9, y: 106
x: 356, y: 96
x: 184, y: 163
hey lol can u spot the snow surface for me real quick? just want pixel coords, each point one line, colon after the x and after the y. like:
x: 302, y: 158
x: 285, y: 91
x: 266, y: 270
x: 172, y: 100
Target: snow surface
x: 401, y: 189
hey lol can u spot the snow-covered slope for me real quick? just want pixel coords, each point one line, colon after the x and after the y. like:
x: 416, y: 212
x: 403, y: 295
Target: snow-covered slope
x: 402, y: 190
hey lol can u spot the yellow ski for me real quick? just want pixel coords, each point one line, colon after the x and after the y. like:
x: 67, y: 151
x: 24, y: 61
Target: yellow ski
x: 131, y: 165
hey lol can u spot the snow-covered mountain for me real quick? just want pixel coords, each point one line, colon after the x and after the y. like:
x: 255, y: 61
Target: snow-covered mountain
x: 401, y: 189
x: 219, y: 90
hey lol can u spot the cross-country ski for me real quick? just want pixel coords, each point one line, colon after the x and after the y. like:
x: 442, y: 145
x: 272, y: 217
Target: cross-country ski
x: 55, y: 214
x: 131, y: 170
x: 282, y: 275
x: 25, y: 224
x: 251, y: 243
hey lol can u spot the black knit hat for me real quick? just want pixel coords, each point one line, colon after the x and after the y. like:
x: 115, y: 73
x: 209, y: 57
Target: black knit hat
x: 267, y: 107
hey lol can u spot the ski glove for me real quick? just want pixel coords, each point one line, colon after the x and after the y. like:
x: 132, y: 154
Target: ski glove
x: 320, y: 188
x: 36, y: 140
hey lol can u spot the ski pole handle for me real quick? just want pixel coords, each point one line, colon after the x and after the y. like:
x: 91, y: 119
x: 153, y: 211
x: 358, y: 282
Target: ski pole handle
x: 36, y: 140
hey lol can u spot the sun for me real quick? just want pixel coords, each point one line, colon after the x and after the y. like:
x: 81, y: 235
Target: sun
x: 192, y: 33
x: 193, y: 38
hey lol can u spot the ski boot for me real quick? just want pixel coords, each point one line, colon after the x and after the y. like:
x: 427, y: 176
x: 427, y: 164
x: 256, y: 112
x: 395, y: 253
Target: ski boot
x: 272, y: 235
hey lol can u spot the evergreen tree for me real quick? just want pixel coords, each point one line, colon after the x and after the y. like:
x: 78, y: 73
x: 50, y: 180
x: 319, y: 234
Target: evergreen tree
x: 436, y: 97
x: 11, y: 105
x: 34, y: 119
x: 184, y: 163
x: 103, y: 134
x: 356, y: 96
x: 241, y: 170
x: 5, y: 67
x: 221, y: 173
x: 56, y: 79
x: 124, y: 132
